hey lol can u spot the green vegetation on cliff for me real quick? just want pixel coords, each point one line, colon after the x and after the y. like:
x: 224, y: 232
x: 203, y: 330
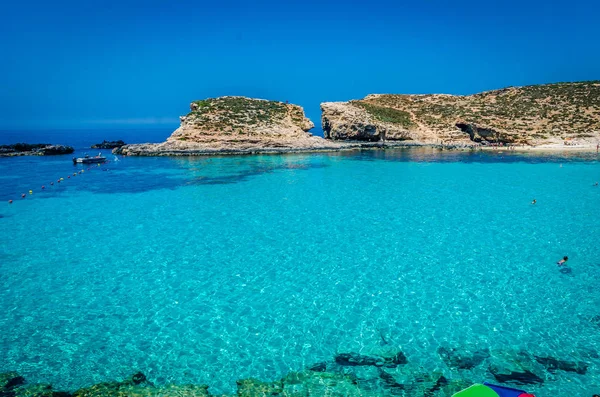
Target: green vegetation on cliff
x: 387, y: 114
x: 236, y: 113
x: 518, y: 113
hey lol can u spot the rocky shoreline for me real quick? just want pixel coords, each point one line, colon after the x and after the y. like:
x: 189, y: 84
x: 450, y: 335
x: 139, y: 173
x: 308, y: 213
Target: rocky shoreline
x: 35, y: 149
x: 108, y: 144
x: 160, y: 149
x: 385, y: 373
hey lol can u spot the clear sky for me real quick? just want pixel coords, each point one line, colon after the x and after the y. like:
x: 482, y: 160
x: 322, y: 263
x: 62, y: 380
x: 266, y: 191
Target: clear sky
x: 124, y: 63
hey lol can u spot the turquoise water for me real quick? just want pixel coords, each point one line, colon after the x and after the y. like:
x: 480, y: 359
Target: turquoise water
x: 209, y: 270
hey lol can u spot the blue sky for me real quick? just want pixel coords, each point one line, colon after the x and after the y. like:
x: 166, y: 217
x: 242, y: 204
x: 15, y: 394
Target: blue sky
x: 69, y: 64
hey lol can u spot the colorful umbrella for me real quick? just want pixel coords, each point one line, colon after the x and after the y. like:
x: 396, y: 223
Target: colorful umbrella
x: 489, y: 390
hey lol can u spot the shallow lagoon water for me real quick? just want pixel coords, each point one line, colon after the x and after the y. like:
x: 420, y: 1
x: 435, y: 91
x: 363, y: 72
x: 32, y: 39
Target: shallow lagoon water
x: 208, y: 270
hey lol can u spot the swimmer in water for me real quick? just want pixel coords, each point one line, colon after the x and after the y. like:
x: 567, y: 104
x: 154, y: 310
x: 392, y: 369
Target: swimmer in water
x: 562, y: 261
x: 534, y: 201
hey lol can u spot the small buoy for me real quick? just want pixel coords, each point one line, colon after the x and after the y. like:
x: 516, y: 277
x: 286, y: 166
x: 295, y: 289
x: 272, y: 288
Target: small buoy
x: 43, y: 187
x: 68, y: 176
x: 9, y: 201
x: 31, y: 192
x: 23, y: 195
x: 62, y: 179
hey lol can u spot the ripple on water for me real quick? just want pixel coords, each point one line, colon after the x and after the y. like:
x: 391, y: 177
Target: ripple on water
x: 211, y: 270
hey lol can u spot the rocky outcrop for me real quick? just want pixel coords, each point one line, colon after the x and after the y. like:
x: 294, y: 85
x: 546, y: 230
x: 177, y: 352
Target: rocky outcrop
x: 237, y: 125
x: 187, y: 148
x: 54, y: 149
x: 351, y: 121
x: 108, y: 144
x: 36, y: 149
x: 565, y: 113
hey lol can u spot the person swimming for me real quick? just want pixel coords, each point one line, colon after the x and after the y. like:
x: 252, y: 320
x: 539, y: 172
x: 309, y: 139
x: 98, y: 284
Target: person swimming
x: 562, y: 261
x: 534, y: 201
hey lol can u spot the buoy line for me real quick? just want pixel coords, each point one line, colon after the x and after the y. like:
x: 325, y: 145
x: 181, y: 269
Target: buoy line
x: 61, y: 179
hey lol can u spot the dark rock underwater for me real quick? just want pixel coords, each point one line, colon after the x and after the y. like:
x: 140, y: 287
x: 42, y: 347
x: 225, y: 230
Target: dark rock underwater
x: 347, y: 374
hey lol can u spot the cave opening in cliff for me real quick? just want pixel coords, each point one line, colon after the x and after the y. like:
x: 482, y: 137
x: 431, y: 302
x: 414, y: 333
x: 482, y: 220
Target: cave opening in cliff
x: 468, y: 129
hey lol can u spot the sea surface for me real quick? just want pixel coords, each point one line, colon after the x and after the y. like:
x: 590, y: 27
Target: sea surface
x: 208, y: 270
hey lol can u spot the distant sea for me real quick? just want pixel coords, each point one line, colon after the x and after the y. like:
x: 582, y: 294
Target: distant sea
x: 212, y: 269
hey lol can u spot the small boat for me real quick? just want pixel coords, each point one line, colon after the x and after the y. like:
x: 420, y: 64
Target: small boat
x: 89, y: 160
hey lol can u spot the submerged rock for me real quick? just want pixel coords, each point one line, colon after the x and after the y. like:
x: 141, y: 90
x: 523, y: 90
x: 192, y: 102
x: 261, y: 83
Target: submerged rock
x: 420, y: 383
x: 309, y: 383
x: 139, y: 386
x: 318, y: 367
x: 553, y: 364
x: 389, y: 381
x: 256, y: 388
x: 462, y: 359
x: 353, y: 359
x: 138, y: 378
x: 10, y: 380
x: 13, y: 385
x: 595, y: 320
x: 181, y: 391
x: 517, y: 377
x: 516, y: 367
x: 35, y: 390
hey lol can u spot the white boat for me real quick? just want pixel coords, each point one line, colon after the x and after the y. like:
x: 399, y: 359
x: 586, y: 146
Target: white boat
x: 89, y: 160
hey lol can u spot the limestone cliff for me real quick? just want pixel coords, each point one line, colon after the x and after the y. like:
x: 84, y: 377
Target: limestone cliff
x: 235, y: 124
x: 532, y: 115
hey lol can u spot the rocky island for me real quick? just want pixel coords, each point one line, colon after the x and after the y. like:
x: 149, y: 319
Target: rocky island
x: 108, y: 144
x: 237, y: 125
x: 563, y: 114
x: 33, y: 149
x: 547, y: 117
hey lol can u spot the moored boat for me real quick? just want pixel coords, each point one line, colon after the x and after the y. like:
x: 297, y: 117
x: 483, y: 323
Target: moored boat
x: 89, y: 160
